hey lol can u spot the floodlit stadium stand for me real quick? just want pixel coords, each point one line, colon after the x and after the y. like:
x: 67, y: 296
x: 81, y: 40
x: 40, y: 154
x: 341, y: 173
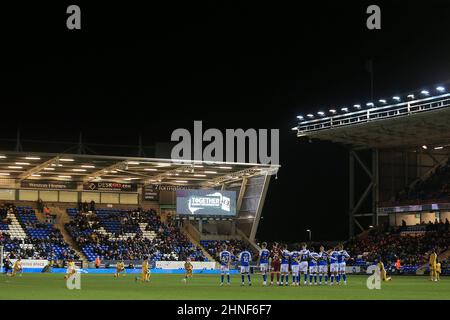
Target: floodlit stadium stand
x: 130, y: 235
x: 25, y: 236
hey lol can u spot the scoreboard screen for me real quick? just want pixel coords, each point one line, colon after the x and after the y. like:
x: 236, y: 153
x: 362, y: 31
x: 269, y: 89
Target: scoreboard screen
x: 206, y: 202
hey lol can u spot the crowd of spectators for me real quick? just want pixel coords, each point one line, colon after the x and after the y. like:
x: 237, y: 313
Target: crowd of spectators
x: 214, y: 247
x: 51, y: 246
x: 169, y: 243
x: 436, y: 187
x: 412, y: 248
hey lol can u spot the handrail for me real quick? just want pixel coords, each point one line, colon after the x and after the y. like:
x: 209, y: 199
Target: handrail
x: 374, y: 114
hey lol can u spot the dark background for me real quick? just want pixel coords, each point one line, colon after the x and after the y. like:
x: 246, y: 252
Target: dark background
x: 147, y: 70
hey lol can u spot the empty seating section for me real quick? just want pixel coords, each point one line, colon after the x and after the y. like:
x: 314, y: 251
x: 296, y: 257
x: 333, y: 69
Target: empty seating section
x: 128, y: 234
x: 23, y: 235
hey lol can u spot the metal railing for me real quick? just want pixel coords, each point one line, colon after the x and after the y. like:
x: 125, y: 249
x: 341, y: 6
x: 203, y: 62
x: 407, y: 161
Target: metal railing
x: 374, y: 114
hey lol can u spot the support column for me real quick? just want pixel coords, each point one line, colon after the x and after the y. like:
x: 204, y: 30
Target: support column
x: 200, y: 226
x: 375, y: 187
x: 351, y: 192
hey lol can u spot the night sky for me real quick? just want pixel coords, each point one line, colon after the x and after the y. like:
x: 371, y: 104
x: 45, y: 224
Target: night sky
x: 148, y: 70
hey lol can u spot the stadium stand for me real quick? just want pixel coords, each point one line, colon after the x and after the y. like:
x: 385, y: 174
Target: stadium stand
x: 23, y: 235
x: 411, y: 247
x: 113, y: 234
x: 436, y: 188
x: 214, y: 247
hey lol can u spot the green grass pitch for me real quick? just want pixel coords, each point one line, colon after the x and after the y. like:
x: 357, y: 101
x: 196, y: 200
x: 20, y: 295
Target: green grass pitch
x: 52, y: 286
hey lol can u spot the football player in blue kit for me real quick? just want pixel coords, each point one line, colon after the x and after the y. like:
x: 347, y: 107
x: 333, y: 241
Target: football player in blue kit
x: 323, y: 265
x: 244, y: 260
x: 304, y: 259
x: 285, y: 257
x: 263, y: 261
x: 225, y: 260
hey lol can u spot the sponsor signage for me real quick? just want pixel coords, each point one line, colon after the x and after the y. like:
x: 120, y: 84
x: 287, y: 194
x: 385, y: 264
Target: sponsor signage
x: 198, y: 265
x: 206, y: 202
x: 171, y: 187
x: 151, y: 193
x: 415, y: 208
x: 32, y: 264
x: 53, y: 185
x: 110, y: 186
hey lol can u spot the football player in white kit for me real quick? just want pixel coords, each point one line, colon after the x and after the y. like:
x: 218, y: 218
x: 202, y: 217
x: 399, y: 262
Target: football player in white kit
x: 334, y: 265
x: 225, y: 260
x: 284, y: 270
x: 342, y: 257
x: 304, y: 258
x: 263, y: 261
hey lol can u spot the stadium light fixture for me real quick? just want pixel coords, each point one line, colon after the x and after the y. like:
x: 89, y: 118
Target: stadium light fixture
x: 345, y: 109
x: 49, y: 169
x: 66, y: 160
x: 300, y: 117
x: 294, y: 128
x: 4, y: 174
x: 333, y: 111
x: 382, y: 101
x: 35, y: 175
x: 424, y: 147
x: 357, y: 106
x: 310, y: 115
x: 56, y: 165
x: 396, y: 98
x: 88, y: 166
x: 15, y: 167
x: 65, y: 177
x: 199, y: 175
x: 410, y: 96
x: 425, y: 92
x: 23, y: 163
x: 225, y: 167
x: 133, y: 162
x: 2, y: 157
x: 370, y: 227
x: 210, y: 172
x: 440, y: 89
x: 309, y: 232
x: 181, y: 181
x: 32, y: 158
x: 79, y: 170
x: 370, y: 104
x: 438, y: 148
x: 150, y: 169
x: 321, y: 113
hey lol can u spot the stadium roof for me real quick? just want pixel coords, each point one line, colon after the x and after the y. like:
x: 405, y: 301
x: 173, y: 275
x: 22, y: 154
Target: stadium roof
x: 84, y: 168
x: 406, y: 124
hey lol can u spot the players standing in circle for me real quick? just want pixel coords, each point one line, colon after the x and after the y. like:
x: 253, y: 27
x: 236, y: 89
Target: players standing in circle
x: 313, y: 257
x: 304, y: 258
x: 225, y: 260
x: 323, y: 265
x: 334, y: 266
x: 17, y: 267
x: 295, y: 267
x: 285, y: 256
x: 70, y: 269
x: 120, y: 267
x: 244, y: 260
x: 263, y: 261
x: 342, y: 257
x: 275, y: 264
